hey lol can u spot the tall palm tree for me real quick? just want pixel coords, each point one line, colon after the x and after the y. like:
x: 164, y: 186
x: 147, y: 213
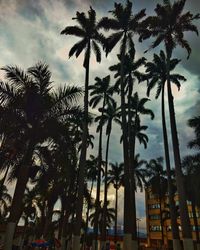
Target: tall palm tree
x: 101, y: 92
x: 110, y: 113
x: 87, y: 30
x: 125, y: 24
x: 158, y: 185
x: 31, y: 110
x: 136, y: 131
x: 157, y: 75
x: 138, y: 108
x: 168, y: 27
x: 115, y: 177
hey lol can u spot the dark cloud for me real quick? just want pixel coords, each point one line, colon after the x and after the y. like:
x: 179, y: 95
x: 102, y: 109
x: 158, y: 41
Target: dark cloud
x: 30, y: 9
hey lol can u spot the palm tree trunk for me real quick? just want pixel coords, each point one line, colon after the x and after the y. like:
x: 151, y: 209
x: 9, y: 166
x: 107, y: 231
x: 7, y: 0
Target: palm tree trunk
x: 48, y: 220
x: 97, y: 201
x: 42, y: 219
x: 23, y: 234
x: 64, y: 230
x: 127, y: 196
x: 105, y: 191
x: 195, y: 222
x: 82, y: 161
x: 87, y: 216
x: 172, y: 206
x: 132, y: 139
x: 116, y: 210
x: 185, y: 222
x: 60, y: 223
x: 15, y: 210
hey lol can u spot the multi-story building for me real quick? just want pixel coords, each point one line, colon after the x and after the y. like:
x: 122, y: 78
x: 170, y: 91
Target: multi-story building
x: 154, y: 209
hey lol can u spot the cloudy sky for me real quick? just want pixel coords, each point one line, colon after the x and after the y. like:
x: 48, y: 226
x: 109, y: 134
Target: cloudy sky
x: 30, y: 32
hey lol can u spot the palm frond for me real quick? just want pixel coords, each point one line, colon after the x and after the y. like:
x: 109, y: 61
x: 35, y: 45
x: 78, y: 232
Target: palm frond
x: 73, y: 30
x: 66, y: 95
x: 108, y: 23
x: 92, y: 16
x: 77, y: 48
x: 8, y: 93
x: 97, y: 51
x: 17, y: 77
x: 112, y: 40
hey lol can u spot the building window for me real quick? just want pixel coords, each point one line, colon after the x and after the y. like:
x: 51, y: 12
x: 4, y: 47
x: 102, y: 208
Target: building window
x: 194, y: 229
x: 191, y: 214
x: 189, y: 202
x: 154, y: 217
x: 154, y: 206
x: 155, y: 228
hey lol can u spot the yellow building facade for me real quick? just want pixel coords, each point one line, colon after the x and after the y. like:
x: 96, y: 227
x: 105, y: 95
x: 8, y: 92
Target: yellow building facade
x: 153, y: 220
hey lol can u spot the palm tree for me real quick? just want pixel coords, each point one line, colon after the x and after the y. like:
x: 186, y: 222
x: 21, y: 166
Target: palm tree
x: 158, y: 185
x: 87, y: 30
x: 101, y: 92
x: 157, y: 75
x: 31, y: 111
x: 109, y: 114
x: 168, y: 27
x: 92, y: 175
x: 110, y: 216
x: 125, y: 24
x: 115, y: 177
x: 136, y: 131
x: 138, y: 108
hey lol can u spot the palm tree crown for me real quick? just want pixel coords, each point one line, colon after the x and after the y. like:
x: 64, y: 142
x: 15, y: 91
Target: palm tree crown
x: 124, y: 23
x: 87, y: 30
x: 157, y: 73
x: 170, y: 24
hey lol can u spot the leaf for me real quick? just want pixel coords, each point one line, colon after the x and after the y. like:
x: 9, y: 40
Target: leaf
x: 97, y: 51
x: 73, y: 30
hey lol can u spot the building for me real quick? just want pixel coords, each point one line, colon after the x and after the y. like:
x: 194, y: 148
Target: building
x: 154, y: 209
